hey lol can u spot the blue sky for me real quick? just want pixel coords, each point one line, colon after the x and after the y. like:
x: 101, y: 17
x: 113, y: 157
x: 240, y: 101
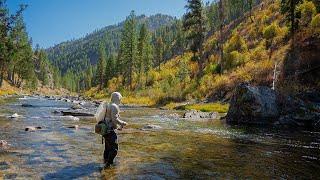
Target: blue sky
x: 50, y: 22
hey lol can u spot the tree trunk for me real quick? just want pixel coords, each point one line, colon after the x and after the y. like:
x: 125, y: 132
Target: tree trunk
x: 292, y: 17
x: 1, y: 78
x: 221, y: 18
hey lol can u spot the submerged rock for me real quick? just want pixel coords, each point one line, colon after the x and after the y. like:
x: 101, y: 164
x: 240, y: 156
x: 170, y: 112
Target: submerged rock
x: 73, y: 127
x: 70, y: 118
x: 78, y: 114
x: 193, y: 114
x: 253, y: 105
x: 4, y: 165
x: 32, y: 128
x: 27, y: 105
x: 151, y: 127
x: 56, y: 112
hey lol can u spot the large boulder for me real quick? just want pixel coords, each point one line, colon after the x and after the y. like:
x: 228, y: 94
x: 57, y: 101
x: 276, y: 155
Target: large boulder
x: 253, y: 105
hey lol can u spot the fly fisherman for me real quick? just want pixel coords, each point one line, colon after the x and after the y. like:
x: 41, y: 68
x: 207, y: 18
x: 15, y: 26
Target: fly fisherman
x: 109, y: 115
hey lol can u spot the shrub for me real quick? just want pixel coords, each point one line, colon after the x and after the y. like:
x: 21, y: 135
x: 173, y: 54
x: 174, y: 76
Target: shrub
x: 211, y: 68
x: 234, y: 59
x: 153, y: 76
x: 307, y: 10
x: 269, y: 33
x: 259, y: 53
x: 236, y: 43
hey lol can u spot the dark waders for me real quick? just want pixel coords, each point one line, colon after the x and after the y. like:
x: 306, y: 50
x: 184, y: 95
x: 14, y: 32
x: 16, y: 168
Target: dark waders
x: 111, y: 147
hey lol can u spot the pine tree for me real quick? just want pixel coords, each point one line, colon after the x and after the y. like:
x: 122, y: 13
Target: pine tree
x: 56, y: 77
x: 110, y: 66
x: 288, y: 8
x: 158, y: 52
x: 179, y: 44
x: 7, y: 22
x: 221, y: 38
x: 144, y: 51
x: 128, y: 55
x: 141, y: 48
x: 194, y: 26
x: 101, y: 67
x: 43, y: 65
x: 21, y: 53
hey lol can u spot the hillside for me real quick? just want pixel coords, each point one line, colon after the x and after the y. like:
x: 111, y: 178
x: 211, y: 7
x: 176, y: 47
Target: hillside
x: 78, y: 54
x: 247, y: 58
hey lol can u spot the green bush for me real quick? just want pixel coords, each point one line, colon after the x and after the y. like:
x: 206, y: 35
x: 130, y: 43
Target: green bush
x: 307, y: 10
x: 270, y: 31
x: 234, y: 59
x: 236, y: 43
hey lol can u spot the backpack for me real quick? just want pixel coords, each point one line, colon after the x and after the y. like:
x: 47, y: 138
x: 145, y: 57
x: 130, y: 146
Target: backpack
x: 101, y: 128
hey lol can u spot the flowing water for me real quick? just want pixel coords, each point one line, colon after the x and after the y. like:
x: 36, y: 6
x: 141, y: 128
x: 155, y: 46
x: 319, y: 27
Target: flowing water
x: 181, y: 149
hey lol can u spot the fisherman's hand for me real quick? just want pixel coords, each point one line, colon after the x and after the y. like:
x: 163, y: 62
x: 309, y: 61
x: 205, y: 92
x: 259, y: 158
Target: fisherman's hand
x: 124, y: 124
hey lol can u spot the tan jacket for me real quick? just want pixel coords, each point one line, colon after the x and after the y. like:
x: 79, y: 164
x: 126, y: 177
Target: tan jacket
x: 113, y: 116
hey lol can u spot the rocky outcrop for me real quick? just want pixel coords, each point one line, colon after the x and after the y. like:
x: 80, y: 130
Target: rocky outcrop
x: 262, y: 105
x: 302, y: 110
x: 193, y: 114
x: 253, y: 105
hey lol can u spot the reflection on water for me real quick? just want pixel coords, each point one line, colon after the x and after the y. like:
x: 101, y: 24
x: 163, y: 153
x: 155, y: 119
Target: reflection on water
x: 180, y: 149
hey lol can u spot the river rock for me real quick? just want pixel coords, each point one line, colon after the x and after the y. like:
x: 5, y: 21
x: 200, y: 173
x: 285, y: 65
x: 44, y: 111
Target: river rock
x: 76, y: 106
x: 32, y: 128
x: 27, y: 105
x: 15, y: 115
x: 253, y: 105
x: 3, y: 143
x: 73, y: 127
x: 193, y: 114
x: 56, y: 112
x: 151, y: 127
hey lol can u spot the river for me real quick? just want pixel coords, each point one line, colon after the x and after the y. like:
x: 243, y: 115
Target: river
x: 181, y: 149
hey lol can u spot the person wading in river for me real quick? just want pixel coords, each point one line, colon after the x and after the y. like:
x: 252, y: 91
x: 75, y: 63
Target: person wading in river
x: 108, y: 115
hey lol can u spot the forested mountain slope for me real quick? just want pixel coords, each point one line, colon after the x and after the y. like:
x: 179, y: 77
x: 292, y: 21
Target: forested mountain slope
x: 76, y: 55
x: 252, y: 49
